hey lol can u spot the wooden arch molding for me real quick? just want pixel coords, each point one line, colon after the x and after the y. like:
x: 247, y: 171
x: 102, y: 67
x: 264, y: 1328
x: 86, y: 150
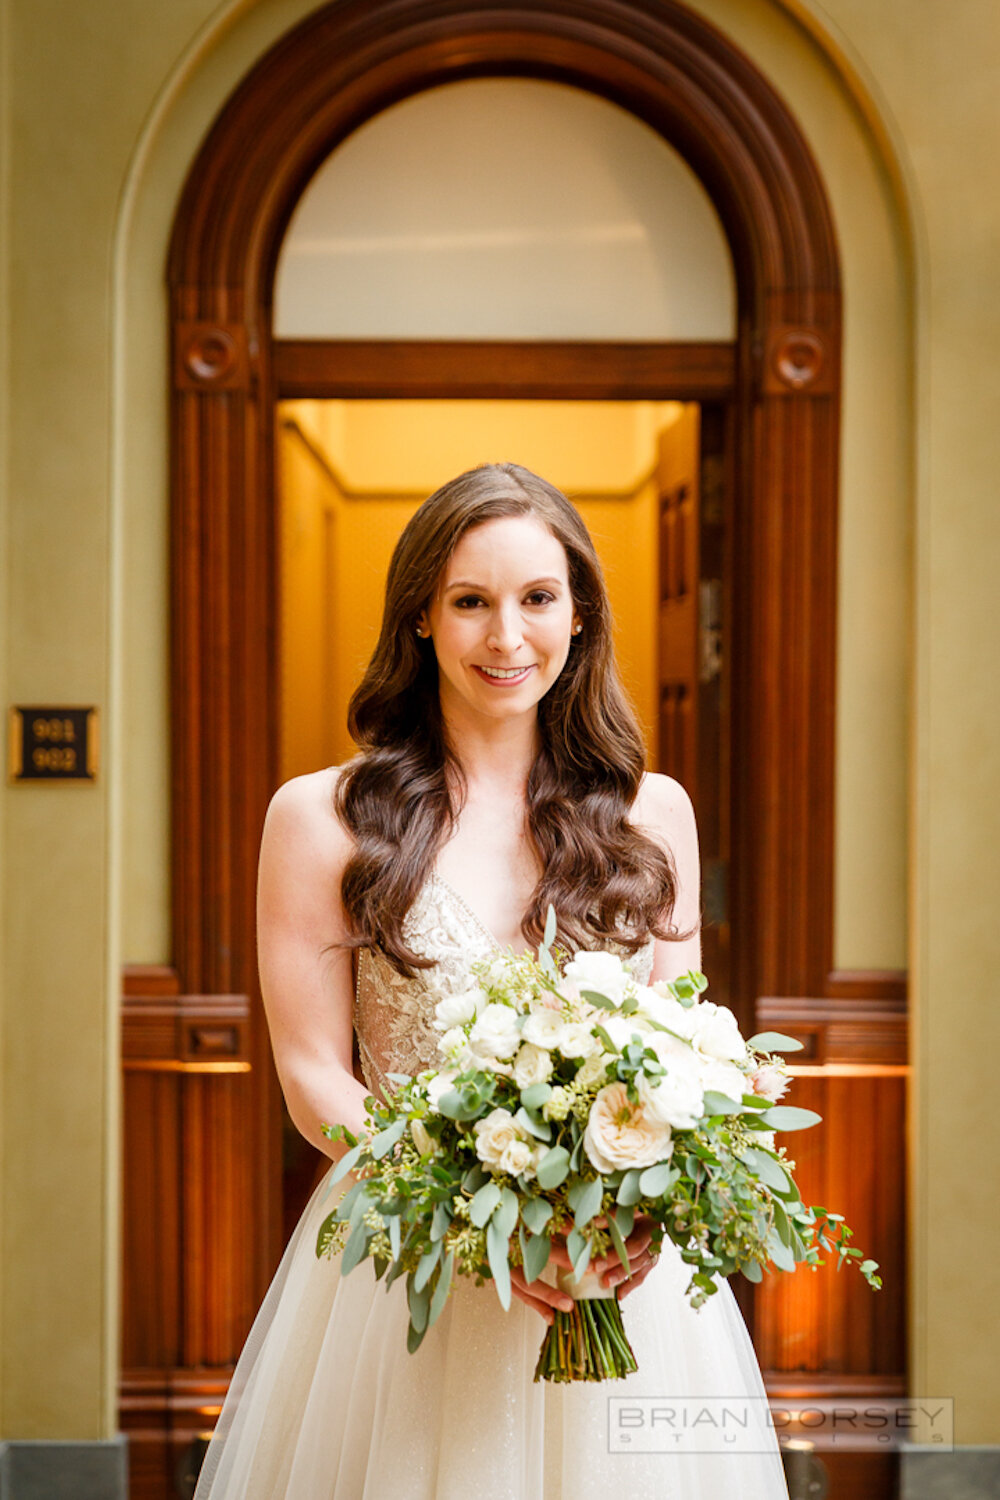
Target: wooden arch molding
x: 686, y: 80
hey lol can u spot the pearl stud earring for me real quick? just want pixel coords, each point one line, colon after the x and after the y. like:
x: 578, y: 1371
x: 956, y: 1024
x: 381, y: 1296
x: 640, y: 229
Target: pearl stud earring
x: 577, y: 629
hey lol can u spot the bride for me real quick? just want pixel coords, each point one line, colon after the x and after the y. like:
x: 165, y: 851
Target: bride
x: 500, y: 769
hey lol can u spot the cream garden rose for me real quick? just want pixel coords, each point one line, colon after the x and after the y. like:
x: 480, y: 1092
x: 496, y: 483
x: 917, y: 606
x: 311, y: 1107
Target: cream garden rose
x: 495, y: 1134
x: 621, y: 1134
x: 603, y: 972
x: 531, y: 1065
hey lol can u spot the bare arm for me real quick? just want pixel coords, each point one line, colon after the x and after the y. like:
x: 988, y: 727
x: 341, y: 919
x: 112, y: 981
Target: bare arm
x: 307, y: 986
x: 663, y: 810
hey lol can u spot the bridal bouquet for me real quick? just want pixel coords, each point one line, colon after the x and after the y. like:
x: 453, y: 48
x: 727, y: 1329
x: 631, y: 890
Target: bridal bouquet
x: 569, y: 1100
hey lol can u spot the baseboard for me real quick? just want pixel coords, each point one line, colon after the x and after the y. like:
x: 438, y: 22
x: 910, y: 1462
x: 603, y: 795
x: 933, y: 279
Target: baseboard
x: 970, y: 1472
x: 64, y: 1471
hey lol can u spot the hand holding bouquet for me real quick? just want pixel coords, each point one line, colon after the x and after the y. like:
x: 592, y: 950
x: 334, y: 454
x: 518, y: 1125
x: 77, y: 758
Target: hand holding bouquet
x: 569, y: 1101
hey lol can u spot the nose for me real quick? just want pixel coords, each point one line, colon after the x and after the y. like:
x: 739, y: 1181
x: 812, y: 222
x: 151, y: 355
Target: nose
x: 505, y: 632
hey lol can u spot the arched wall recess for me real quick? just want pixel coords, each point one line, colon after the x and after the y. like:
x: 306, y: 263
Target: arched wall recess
x: 690, y: 83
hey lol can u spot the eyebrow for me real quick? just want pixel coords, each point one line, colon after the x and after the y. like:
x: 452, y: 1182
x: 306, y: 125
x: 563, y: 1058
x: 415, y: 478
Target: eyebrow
x: 463, y: 583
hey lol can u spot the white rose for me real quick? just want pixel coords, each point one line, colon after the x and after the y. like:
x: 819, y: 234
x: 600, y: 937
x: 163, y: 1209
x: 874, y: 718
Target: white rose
x: 603, y: 972
x: 494, y: 1133
x: 674, y: 1099
x: 495, y: 1032
x: 622, y: 1134
x: 458, y: 1009
x: 517, y: 1157
x: 592, y: 1071
x: 544, y: 1028
x: 578, y: 1040
x: 724, y: 1078
x: 531, y: 1065
x: 422, y: 1138
x: 621, y: 1028
x: 717, y: 1033
x: 667, y: 1011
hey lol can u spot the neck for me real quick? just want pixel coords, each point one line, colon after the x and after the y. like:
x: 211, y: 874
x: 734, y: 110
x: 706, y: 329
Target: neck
x: 493, y: 753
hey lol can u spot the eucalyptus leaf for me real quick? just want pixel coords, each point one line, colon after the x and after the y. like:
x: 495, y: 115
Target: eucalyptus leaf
x: 419, y: 1302
x: 354, y: 1250
x: 589, y: 1203
x: 386, y: 1139
x: 325, y: 1235
x: 440, y: 1220
x: 767, y: 1168
x: 752, y: 1271
x: 774, y: 1041
x: 536, y: 1095
x: 596, y: 998
x: 550, y: 926
x: 414, y: 1338
x: 484, y: 1203
x: 779, y: 1252
x: 425, y: 1266
x: 536, y: 1213
x: 496, y: 1254
x: 788, y: 1117
x: 553, y: 1168
x: 618, y: 1242
x: 474, y: 1179
x: 441, y: 1290
x: 505, y: 1215
x: 720, y: 1104
x: 540, y: 1129
x: 578, y: 1246
x: 624, y: 1218
x: 657, y: 1179
x: 536, y: 1249
x: 344, y: 1164
x: 629, y: 1192
x: 393, y: 1226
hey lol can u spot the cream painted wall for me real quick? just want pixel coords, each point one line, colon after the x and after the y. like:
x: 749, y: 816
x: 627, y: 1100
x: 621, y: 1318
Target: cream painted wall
x: 109, y: 100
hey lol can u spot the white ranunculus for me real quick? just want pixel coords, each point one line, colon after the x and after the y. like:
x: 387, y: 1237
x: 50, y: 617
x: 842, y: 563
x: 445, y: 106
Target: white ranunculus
x: 622, y: 1134
x: 603, y: 972
x: 438, y: 1085
x: 579, y: 1040
x: 592, y: 1071
x: 518, y: 1157
x: 422, y: 1138
x: 531, y: 1065
x: 454, y: 1046
x: 458, y: 1009
x: 675, y: 1099
x: 544, y: 1028
x: 717, y: 1033
x: 495, y: 1032
x: 494, y: 1133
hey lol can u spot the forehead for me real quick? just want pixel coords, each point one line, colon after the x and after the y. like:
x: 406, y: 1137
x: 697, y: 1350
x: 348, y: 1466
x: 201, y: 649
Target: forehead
x: 506, y: 549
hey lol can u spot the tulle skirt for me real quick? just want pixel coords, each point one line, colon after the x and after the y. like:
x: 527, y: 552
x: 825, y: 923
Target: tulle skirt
x: 327, y: 1404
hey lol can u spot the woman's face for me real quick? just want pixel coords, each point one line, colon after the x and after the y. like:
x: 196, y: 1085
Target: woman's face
x: 501, y: 618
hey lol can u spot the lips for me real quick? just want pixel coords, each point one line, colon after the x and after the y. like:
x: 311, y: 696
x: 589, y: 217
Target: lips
x: 508, y: 676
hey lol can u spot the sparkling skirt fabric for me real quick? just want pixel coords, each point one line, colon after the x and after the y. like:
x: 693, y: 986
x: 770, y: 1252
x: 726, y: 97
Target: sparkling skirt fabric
x: 327, y: 1404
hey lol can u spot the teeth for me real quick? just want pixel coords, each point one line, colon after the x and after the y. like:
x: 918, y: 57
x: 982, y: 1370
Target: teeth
x: 503, y: 671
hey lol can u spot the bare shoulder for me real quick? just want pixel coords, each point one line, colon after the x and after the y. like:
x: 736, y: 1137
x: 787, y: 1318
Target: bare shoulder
x: 302, y: 821
x: 662, y: 805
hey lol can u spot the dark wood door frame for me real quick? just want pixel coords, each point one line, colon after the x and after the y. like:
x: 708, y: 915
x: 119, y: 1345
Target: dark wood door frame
x: 341, y: 66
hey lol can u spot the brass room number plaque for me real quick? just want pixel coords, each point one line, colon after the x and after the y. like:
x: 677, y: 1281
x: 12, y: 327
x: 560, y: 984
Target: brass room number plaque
x: 53, y: 744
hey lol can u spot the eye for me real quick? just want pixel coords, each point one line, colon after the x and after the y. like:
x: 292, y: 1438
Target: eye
x: 467, y: 601
x: 540, y: 596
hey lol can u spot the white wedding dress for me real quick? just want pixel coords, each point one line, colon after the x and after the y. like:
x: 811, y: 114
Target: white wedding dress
x: 326, y: 1403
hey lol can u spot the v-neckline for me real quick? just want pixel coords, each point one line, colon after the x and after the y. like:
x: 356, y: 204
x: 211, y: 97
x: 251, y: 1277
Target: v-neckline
x: 472, y: 915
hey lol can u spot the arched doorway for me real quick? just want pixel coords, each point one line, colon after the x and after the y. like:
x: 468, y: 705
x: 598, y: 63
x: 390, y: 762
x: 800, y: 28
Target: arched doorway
x: 329, y: 75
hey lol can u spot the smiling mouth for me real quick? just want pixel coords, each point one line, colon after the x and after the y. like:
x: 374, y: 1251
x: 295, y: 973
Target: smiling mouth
x: 504, y: 674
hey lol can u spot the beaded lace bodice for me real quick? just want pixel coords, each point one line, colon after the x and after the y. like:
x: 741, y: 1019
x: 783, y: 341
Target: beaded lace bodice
x: 393, y: 1015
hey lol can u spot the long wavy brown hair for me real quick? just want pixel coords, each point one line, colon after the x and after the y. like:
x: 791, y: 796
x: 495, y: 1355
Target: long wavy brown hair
x: 398, y: 797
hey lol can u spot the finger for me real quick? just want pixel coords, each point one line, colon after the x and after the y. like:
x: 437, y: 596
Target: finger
x: 617, y: 1275
x: 541, y: 1292
x: 632, y: 1282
